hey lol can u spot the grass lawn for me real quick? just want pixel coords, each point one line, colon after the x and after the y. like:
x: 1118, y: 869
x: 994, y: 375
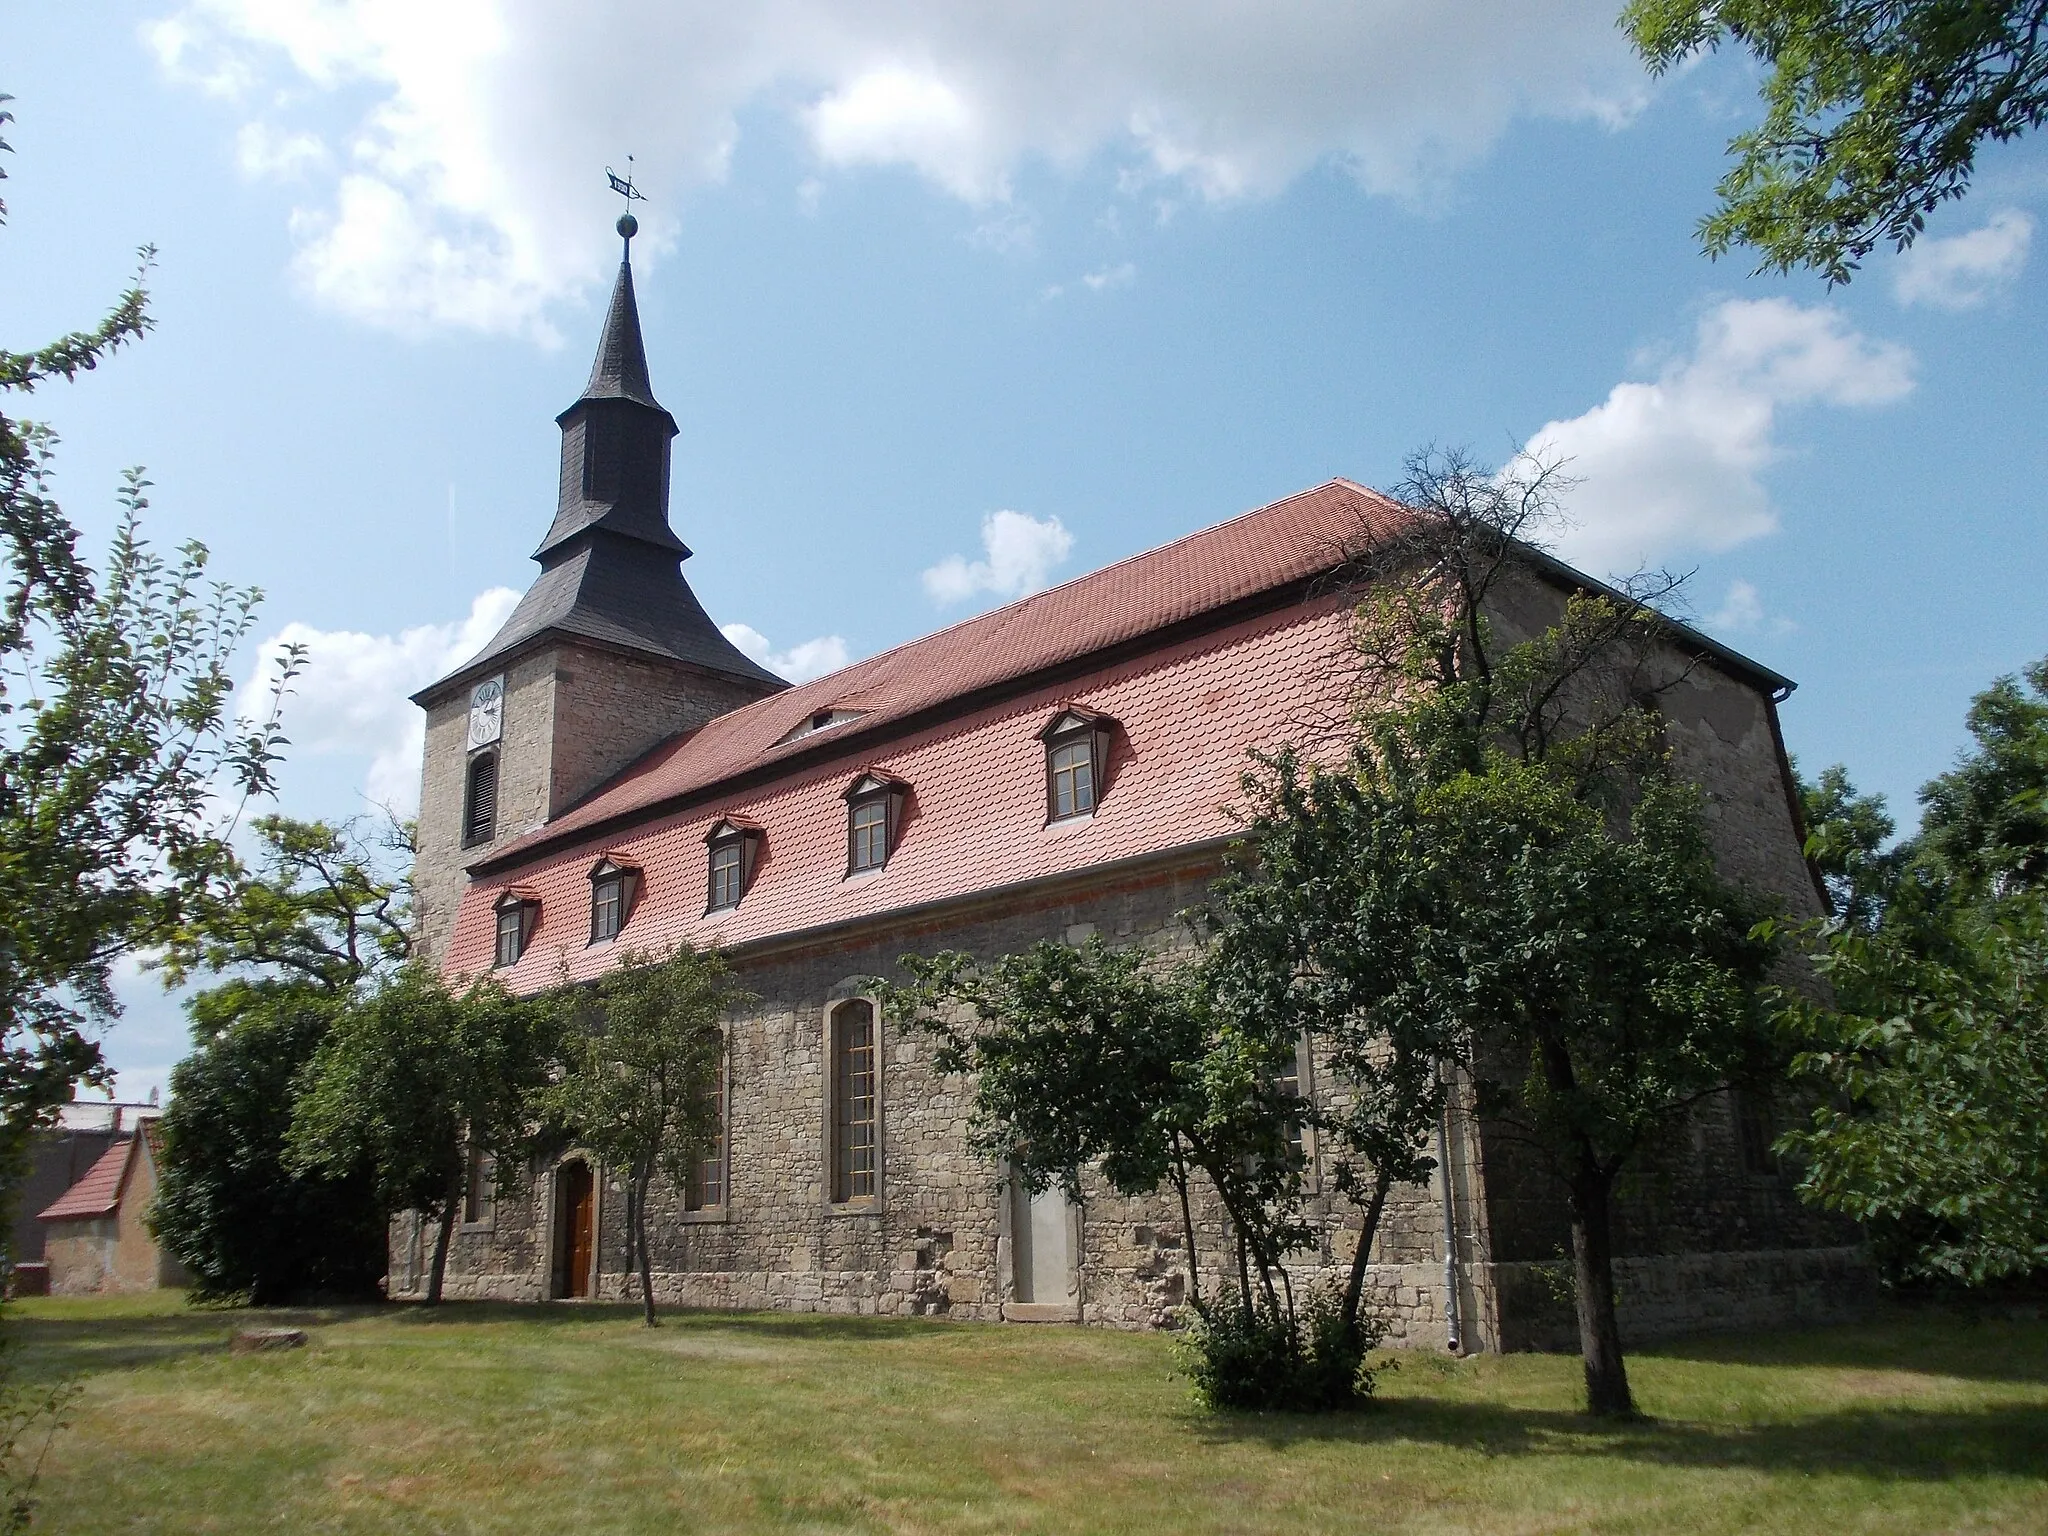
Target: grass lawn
x: 576, y: 1419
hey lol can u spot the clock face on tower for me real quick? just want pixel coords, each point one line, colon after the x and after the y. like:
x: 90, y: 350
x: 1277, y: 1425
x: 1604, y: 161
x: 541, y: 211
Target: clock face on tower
x: 486, y: 712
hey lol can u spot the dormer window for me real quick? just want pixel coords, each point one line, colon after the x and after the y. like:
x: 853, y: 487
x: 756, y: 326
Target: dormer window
x: 821, y: 720
x: 612, y: 883
x: 1076, y: 761
x: 518, y: 912
x: 874, y: 815
x: 734, y: 846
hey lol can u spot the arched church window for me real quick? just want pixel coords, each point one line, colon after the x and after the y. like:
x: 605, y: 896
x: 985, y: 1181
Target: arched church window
x: 480, y: 800
x: 855, y: 1138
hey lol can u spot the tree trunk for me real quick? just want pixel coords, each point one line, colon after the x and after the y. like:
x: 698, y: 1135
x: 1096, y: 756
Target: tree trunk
x: 640, y: 1241
x: 443, y: 1234
x: 1607, y: 1391
x: 1354, y: 1288
x: 1187, y: 1223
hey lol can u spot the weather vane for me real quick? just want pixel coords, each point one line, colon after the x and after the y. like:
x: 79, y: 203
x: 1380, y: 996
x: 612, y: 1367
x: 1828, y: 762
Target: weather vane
x: 628, y: 226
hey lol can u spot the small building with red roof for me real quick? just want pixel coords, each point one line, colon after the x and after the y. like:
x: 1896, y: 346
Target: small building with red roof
x: 96, y: 1236
x: 610, y: 775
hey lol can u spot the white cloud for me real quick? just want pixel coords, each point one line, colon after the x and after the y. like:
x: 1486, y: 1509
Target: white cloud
x: 1020, y: 555
x: 1742, y: 609
x: 1961, y: 271
x: 265, y: 153
x: 1676, y: 463
x: 462, y: 188
x: 1120, y: 276
x: 800, y: 663
x: 354, y: 695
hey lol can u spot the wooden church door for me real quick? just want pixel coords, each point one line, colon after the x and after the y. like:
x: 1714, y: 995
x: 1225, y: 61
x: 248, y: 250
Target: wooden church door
x: 575, y: 1228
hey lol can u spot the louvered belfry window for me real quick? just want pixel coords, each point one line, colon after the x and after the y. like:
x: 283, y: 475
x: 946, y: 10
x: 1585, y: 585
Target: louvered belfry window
x: 853, y: 1101
x: 480, y: 800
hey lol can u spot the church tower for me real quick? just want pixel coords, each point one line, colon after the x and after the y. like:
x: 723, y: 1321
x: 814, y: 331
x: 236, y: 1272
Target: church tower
x: 608, y: 654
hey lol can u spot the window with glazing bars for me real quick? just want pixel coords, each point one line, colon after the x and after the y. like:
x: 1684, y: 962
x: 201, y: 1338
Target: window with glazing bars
x: 1071, y: 788
x: 607, y: 907
x: 868, y: 831
x: 476, y: 1187
x: 1291, y: 1083
x: 511, y: 934
x: 726, y: 869
x: 480, y: 802
x: 707, y: 1180
x: 853, y: 1102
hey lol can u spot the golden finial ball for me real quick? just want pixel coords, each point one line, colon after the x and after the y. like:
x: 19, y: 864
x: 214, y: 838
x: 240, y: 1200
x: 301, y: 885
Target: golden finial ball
x: 628, y: 225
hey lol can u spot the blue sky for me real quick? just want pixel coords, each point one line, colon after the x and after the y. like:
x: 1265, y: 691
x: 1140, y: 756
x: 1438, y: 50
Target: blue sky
x: 1116, y: 273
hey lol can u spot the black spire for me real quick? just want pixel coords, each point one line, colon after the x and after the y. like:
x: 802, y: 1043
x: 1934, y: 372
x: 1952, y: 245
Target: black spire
x: 611, y: 567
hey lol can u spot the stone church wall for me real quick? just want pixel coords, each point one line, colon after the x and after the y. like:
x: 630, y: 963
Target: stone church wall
x: 1707, y: 1238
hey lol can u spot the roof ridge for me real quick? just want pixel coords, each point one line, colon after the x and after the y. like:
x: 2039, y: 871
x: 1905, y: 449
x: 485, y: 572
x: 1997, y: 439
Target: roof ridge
x: 1073, y: 581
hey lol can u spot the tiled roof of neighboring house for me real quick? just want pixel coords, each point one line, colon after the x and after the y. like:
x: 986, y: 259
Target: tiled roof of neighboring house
x: 99, y: 1192
x: 1281, y: 546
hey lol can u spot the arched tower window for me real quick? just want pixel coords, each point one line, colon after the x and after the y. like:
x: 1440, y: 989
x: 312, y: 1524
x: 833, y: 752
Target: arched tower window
x: 480, y: 800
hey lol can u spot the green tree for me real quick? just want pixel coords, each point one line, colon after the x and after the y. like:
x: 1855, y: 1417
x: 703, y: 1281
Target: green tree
x: 412, y: 1081
x: 1874, y: 111
x: 1849, y: 840
x: 1541, y: 884
x: 1930, y: 1054
x: 237, y: 1213
x: 1613, y: 982
x: 1337, y: 856
x: 1086, y: 1056
x: 322, y: 904
x: 642, y: 1089
x: 1934, y: 1049
x: 115, y: 738
x: 1984, y: 823
x: 299, y: 924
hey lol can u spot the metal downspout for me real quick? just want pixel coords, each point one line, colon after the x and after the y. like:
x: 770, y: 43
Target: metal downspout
x: 1453, y: 1321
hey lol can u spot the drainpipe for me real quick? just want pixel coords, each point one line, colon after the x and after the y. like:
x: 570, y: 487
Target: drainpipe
x: 1452, y: 1320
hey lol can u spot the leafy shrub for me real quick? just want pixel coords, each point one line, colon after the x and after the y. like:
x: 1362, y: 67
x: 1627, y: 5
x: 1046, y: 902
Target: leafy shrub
x: 1303, y: 1359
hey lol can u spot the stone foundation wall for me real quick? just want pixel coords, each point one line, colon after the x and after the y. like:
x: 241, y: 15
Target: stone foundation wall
x: 1667, y: 1296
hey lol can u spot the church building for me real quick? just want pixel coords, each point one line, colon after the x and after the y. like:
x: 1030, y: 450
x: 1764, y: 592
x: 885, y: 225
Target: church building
x: 611, y: 773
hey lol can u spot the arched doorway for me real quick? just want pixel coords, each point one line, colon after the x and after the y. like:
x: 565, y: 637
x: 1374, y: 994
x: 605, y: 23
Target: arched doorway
x: 575, y: 1228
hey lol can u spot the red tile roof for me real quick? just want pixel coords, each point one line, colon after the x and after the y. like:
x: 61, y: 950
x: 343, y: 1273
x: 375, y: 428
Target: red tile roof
x: 975, y: 819
x: 1198, y: 651
x: 99, y: 1192
x: 1282, y: 545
